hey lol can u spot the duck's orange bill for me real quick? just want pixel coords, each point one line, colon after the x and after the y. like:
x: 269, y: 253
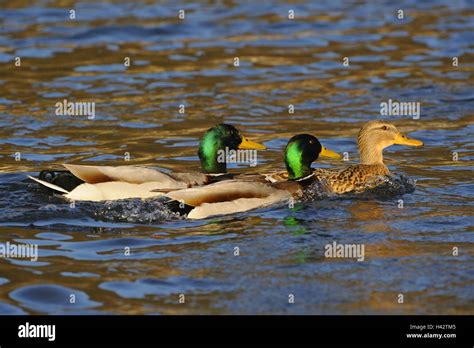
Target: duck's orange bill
x: 402, y: 139
x: 329, y: 154
x: 251, y: 145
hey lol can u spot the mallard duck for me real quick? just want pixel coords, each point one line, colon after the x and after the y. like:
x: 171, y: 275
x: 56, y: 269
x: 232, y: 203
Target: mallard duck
x: 233, y: 196
x: 101, y: 183
x: 373, y: 138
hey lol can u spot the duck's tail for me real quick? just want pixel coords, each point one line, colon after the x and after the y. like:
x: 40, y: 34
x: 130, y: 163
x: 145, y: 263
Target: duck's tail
x: 49, y: 185
x: 58, y: 180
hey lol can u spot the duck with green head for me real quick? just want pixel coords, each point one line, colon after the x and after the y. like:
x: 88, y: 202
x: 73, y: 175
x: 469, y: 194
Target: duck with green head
x: 101, y: 183
x: 233, y: 196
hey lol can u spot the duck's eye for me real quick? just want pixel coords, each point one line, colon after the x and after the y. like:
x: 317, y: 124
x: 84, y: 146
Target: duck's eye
x: 384, y: 127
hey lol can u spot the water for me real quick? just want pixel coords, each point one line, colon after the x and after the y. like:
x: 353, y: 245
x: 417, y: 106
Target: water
x: 82, y: 250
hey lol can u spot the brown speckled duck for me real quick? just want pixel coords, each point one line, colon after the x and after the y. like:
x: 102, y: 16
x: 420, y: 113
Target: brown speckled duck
x: 373, y: 138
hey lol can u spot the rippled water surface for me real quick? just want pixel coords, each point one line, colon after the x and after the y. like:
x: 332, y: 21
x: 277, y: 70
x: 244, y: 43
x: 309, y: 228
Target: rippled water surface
x: 190, y: 62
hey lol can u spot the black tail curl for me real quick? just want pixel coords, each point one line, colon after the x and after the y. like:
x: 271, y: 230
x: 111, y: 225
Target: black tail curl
x: 62, y: 178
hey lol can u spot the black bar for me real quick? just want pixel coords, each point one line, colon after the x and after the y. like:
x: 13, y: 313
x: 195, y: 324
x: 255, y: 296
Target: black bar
x: 289, y: 330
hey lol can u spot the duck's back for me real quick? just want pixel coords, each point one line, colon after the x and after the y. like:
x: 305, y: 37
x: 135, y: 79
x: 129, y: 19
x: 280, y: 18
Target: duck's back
x: 353, y: 178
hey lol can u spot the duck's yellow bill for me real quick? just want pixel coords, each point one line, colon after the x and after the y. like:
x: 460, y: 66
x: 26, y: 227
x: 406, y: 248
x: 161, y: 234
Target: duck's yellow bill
x: 329, y: 154
x: 251, y: 145
x: 402, y: 139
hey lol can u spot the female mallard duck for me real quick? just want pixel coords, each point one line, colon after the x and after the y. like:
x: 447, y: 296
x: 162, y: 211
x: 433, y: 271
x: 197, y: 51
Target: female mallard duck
x: 373, y: 138
x: 233, y: 196
x: 100, y: 183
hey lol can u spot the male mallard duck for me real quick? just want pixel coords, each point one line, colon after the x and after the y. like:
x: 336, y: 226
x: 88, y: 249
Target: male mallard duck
x: 100, y: 183
x: 373, y: 138
x: 233, y: 196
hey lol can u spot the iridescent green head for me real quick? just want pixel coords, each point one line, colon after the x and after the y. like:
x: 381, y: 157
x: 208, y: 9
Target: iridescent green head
x: 301, y: 151
x: 219, y: 138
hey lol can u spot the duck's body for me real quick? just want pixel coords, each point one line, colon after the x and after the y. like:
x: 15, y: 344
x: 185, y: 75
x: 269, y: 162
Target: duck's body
x: 355, y: 178
x: 228, y: 197
x: 239, y: 195
x: 101, y: 183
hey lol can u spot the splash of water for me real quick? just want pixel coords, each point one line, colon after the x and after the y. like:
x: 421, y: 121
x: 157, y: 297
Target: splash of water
x: 144, y: 211
x: 392, y: 186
